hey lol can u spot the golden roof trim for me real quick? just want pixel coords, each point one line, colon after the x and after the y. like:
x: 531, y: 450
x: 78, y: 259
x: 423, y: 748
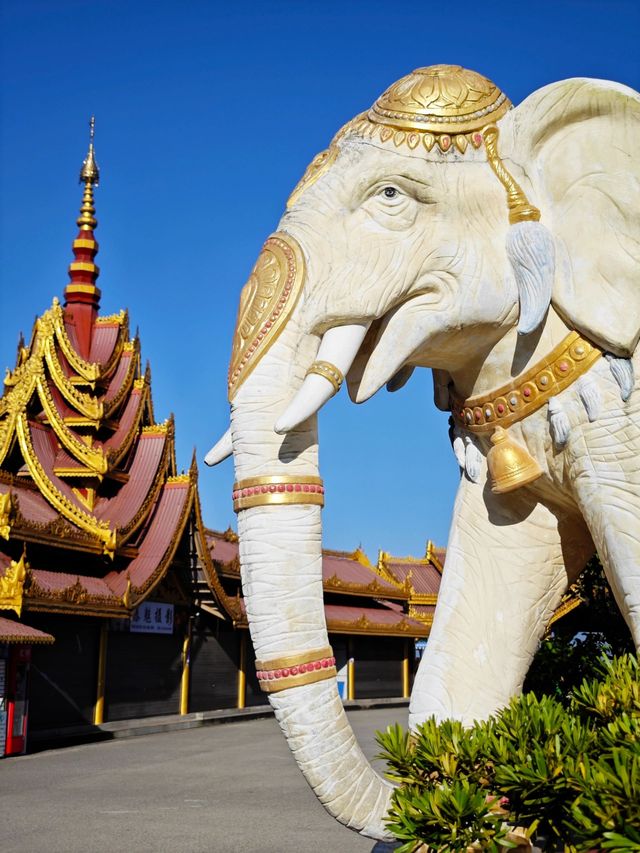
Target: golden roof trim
x: 363, y: 625
x: 336, y: 584
x: 92, y: 457
x: 7, y: 514
x: 428, y: 598
x: 117, y: 319
x: 52, y: 321
x: 425, y: 618
x: 566, y: 606
x: 12, y: 585
x: 83, y: 403
x: 58, y: 501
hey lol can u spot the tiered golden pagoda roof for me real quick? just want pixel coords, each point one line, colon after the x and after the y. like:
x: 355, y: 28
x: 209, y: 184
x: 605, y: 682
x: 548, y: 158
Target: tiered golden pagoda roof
x: 85, y: 469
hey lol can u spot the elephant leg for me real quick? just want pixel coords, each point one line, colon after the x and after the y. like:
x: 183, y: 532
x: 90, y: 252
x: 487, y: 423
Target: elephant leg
x: 509, y: 559
x: 605, y: 470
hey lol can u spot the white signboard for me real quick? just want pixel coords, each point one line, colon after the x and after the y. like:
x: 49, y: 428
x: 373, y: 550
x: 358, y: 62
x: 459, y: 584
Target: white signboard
x: 153, y: 617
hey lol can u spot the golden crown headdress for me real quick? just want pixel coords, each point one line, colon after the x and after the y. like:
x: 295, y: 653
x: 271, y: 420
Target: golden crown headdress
x: 442, y: 106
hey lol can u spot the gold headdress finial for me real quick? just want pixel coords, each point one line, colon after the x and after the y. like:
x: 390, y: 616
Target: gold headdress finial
x: 90, y: 176
x: 520, y: 209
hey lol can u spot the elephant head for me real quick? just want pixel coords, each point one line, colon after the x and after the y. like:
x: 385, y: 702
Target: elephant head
x: 444, y: 229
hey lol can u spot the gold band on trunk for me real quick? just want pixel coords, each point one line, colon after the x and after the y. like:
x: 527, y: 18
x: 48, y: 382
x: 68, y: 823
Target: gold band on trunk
x: 329, y: 371
x: 277, y: 490
x: 296, y: 670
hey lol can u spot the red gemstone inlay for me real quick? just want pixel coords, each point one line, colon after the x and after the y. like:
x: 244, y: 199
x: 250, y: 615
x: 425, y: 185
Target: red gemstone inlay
x: 289, y: 487
x: 272, y: 488
x: 294, y: 670
x: 280, y: 487
x: 298, y: 487
x: 324, y: 663
x: 500, y: 408
x: 526, y: 392
x: 302, y: 667
x: 563, y: 366
x: 317, y: 665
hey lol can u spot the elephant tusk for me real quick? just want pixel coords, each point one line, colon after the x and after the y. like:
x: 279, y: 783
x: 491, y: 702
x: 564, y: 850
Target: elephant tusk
x: 220, y: 451
x: 338, y: 348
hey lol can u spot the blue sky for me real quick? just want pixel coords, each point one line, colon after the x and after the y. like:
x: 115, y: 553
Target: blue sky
x: 207, y: 114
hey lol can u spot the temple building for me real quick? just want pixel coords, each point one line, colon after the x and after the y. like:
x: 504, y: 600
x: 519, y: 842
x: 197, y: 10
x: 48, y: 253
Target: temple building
x: 101, y: 539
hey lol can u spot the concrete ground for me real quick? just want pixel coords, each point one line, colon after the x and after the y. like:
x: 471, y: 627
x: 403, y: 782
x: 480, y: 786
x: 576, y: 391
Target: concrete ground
x: 230, y: 788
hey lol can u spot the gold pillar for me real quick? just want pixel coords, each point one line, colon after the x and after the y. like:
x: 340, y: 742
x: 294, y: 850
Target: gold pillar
x: 406, y: 671
x: 186, y: 661
x: 242, y: 671
x: 351, y: 671
x: 98, y: 710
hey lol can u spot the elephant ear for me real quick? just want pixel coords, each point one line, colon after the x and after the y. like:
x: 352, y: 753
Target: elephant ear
x: 578, y: 142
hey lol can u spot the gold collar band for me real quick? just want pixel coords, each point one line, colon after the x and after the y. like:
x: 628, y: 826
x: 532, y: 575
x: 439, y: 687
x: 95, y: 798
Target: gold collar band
x: 529, y: 391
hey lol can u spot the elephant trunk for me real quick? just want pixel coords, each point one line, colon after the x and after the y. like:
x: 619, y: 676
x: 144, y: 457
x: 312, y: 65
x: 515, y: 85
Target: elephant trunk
x: 281, y: 564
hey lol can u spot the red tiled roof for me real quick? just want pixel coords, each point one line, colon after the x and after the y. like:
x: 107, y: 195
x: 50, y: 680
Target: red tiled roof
x: 127, y: 419
x: 158, y: 539
x: 18, y: 632
x: 349, y: 570
x: 43, y: 441
x: 425, y: 578
x: 31, y: 503
x: 64, y: 460
x: 70, y: 329
x: 103, y: 342
x: 56, y: 581
x: 122, y: 508
x: 221, y: 550
x: 119, y: 376
x: 60, y: 403
x: 340, y: 616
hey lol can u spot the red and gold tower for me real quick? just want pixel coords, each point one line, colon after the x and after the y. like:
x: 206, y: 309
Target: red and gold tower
x: 95, y: 519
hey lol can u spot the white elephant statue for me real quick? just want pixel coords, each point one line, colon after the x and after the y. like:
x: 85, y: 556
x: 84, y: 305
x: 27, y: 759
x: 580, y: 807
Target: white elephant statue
x: 500, y: 246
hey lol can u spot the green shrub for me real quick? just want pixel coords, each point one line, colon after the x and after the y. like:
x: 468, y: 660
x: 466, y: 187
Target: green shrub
x: 567, y: 774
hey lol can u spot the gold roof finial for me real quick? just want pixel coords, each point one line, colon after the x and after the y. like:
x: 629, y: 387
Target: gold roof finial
x: 90, y: 175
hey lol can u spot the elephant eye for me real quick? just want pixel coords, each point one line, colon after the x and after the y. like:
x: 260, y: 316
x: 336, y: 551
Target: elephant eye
x: 390, y: 192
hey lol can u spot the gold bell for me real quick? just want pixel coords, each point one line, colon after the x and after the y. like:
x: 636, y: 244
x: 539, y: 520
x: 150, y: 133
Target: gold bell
x: 509, y: 463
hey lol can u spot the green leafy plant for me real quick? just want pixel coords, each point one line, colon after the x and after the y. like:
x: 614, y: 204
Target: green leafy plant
x: 566, y: 773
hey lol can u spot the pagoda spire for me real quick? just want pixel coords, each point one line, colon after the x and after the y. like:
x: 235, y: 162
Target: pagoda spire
x: 82, y: 296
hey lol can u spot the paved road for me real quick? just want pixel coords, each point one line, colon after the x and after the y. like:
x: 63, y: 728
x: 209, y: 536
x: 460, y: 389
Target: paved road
x: 223, y: 789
